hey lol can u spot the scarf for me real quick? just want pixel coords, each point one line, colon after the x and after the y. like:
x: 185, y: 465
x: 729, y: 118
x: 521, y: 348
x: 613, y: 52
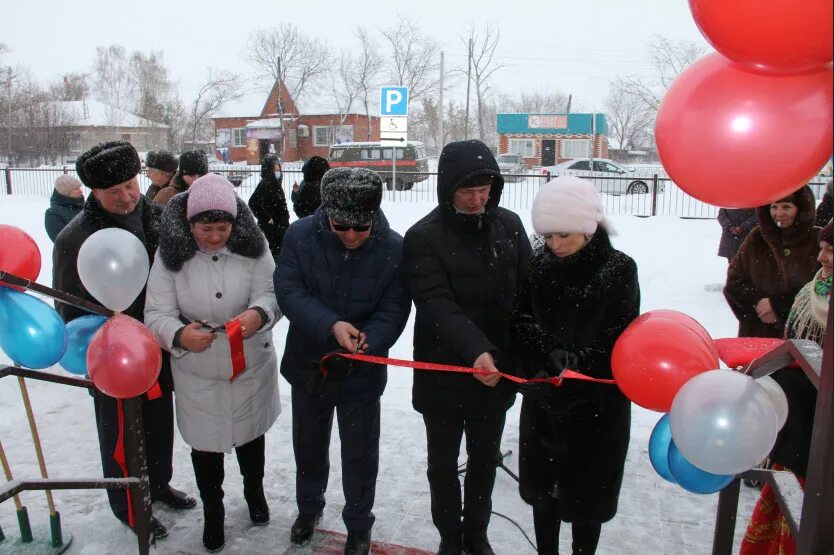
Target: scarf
x: 809, y: 313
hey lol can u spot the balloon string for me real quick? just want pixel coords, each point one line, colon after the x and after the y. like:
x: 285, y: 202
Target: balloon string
x: 416, y: 365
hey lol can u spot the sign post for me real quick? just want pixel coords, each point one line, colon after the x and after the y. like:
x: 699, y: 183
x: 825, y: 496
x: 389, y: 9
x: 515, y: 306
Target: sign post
x: 393, y: 129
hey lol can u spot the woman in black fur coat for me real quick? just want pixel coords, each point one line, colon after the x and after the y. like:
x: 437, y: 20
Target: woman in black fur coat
x: 580, y: 295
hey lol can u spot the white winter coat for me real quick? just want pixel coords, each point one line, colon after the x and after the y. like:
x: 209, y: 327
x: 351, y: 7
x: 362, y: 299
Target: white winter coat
x: 214, y: 414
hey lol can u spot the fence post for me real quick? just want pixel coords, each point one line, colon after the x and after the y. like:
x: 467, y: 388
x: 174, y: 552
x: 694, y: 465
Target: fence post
x: 654, y: 195
x: 8, y: 180
x: 66, y: 170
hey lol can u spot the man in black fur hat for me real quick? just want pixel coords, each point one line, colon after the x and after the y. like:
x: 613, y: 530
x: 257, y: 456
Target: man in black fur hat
x: 162, y: 165
x: 339, y: 283
x: 110, y: 170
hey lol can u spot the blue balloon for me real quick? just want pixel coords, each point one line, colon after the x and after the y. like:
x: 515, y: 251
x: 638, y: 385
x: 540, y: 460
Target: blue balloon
x: 79, y: 333
x: 31, y: 332
x: 659, y: 444
x: 693, y: 479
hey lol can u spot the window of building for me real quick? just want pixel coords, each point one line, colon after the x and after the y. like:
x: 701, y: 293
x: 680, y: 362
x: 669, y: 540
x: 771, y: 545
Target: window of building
x: 292, y: 138
x: 239, y: 136
x: 326, y: 135
x: 523, y: 147
x: 576, y: 148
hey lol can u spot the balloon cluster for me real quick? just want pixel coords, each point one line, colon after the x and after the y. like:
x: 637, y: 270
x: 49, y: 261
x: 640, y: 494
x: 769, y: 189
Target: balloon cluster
x: 752, y: 123
x: 719, y: 422
x: 120, y: 354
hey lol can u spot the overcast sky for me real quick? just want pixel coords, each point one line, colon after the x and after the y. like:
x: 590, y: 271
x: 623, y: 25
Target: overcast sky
x: 576, y: 47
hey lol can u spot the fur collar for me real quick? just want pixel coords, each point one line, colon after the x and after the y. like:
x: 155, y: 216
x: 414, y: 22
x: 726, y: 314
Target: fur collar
x: 177, y: 244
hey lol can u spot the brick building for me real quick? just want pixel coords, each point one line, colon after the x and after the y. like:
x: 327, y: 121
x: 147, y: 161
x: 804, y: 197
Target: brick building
x: 304, y: 133
x: 548, y: 139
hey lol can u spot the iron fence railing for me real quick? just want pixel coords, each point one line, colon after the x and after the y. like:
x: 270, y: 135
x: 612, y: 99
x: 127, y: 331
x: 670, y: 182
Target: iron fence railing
x: 638, y: 194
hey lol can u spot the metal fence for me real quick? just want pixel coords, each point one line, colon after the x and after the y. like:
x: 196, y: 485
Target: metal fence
x: 635, y: 194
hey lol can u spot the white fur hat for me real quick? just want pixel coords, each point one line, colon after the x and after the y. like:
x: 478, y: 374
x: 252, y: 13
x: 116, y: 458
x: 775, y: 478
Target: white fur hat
x: 568, y: 204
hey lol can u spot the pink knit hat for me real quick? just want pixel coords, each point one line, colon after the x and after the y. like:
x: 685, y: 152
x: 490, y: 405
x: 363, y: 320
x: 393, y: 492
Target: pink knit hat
x: 211, y: 192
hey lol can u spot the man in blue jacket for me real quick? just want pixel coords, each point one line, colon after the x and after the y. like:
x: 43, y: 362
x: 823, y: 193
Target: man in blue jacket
x: 339, y: 282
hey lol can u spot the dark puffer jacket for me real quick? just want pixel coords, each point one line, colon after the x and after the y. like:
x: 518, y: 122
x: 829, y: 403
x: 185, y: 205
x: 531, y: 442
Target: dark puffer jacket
x: 463, y: 272
x: 577, y: 437
x: 308, y: 197
x: 62, y: 209
x: 319, y: 282
x: 269, y: 206
x: 773, y: 263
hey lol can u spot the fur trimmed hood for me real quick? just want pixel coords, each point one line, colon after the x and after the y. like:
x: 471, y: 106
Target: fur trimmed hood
x: 177, y: 244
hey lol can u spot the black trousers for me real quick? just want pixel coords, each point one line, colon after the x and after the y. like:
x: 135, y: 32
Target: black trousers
x: 312, y: 422
x: 483, y: 442
x: 158, y: 416
x: 210, y: 473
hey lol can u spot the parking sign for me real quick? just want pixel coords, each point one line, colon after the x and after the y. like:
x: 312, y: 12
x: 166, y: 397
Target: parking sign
x: 393, y: 101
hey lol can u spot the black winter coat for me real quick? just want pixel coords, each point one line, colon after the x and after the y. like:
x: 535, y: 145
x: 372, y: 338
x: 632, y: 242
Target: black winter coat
x: 745, y: 218
x: 307, y: 199
x: 825, y: 210
x: 269, y: 206
x: 62, y: 209
x: 65, y: 256
x: 577, y: 437
x: 463, y: 273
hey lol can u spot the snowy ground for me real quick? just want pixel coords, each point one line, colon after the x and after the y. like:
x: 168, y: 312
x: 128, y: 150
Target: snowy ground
x: 678, y: 270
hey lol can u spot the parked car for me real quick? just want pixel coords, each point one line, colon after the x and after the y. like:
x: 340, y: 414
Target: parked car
x: 412, y: 164
x: 608, y: 176
x: 512, y: 166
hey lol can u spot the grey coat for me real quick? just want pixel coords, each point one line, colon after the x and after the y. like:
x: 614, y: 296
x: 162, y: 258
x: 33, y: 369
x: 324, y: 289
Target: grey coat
x: 214, y: 414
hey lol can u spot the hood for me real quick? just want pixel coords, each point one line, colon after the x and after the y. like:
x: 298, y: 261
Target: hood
x: 804, y: 200
x: 57, y: 199
x: 314, y: 168
x: 459, y: 162
x: 268, y: 167
x: 177, y: 244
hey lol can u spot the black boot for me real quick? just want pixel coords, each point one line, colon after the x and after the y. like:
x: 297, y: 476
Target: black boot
x: 358, y: 542
x: 303, y: 527
x: 450, y: 544
x: 208, y: 470
x: 546, y: 521
x: 585, y: 537
x: 174, y: 498
x: 250, y: 458
x: 477, y: 544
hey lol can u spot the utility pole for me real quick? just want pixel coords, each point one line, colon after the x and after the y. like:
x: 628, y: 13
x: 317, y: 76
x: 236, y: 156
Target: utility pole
x: 440, y: 103
x: 281, y: 110
x: 468, y: 80
x: 9, y: 120
x: 570, y: 98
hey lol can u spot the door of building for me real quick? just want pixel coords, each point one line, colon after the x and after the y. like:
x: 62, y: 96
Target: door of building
x: 548, y: 152
x: 263, y: 147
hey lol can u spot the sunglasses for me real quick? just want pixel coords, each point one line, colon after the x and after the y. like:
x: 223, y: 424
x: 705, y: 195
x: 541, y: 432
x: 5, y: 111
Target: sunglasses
x: 360, y: 228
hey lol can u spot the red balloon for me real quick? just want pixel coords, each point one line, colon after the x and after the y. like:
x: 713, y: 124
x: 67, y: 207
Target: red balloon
x: 19, y: 254
x: 123, y: 358
x: 739, y: 140
x: 654, y: 357
x: 776, y: 36
x: 685, y: 320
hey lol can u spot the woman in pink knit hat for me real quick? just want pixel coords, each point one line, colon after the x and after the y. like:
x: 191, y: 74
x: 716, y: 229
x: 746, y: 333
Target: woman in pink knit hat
x: 210, y: 303
x: 579, y: 296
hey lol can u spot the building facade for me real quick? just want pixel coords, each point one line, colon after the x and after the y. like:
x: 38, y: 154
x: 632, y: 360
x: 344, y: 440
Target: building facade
x: 299, y: 136
x: 549, y: 139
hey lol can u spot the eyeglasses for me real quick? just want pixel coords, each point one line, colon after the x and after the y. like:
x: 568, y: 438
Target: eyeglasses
x: 360, y: 228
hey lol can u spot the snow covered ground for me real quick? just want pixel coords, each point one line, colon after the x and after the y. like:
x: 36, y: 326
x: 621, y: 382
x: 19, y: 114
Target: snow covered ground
x: 678, y: 270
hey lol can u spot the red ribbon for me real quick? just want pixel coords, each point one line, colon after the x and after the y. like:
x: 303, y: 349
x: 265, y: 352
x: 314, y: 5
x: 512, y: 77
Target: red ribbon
x: 121, y: 458
x: 556, y: 380
x: 236, y: 346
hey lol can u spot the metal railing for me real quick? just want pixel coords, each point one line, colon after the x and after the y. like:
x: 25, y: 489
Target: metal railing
x: 638, y: 194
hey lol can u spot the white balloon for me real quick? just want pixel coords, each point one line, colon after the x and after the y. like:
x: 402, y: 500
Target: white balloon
x: 777, y: 395
x: 113, y: 265
x: 723, y: 422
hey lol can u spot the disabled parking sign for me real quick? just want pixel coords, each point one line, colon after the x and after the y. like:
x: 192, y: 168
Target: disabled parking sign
x: 393, y: 101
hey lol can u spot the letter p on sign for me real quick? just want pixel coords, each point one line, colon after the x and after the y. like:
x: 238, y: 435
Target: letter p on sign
x: 393, y: 101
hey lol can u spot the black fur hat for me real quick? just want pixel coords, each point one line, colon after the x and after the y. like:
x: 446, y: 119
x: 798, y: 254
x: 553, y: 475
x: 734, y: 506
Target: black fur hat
x: 193, y: 162
x: 108, y: 164
x: 161, y: 160
x: 351, y: 195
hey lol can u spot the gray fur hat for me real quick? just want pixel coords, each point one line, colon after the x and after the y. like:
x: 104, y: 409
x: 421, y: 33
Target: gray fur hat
x: 351, y: 195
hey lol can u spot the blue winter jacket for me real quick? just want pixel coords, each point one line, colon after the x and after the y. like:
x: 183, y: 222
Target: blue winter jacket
x: 319, y: 282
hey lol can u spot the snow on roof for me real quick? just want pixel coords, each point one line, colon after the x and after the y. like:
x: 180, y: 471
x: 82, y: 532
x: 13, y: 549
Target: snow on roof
x: 91, y: 113
x: 269, y: 123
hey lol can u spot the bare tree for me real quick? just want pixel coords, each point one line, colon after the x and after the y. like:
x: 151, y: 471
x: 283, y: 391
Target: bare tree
x: 219, y: 88
x: 669, y: 59
x: 484, y: 65
x: 535, y: 102
x: 152, y: 85
x: 73, y: 87
x: 287, y: 54
x: 38, y: 124
x: 368, y: 67
x: 629, y: 117
x: 113, y: 83
x: 343, y: 84
x: 414, y: 58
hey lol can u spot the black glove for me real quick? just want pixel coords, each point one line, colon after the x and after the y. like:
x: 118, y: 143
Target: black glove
x: 536, y: 391
x: 559, y: 360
